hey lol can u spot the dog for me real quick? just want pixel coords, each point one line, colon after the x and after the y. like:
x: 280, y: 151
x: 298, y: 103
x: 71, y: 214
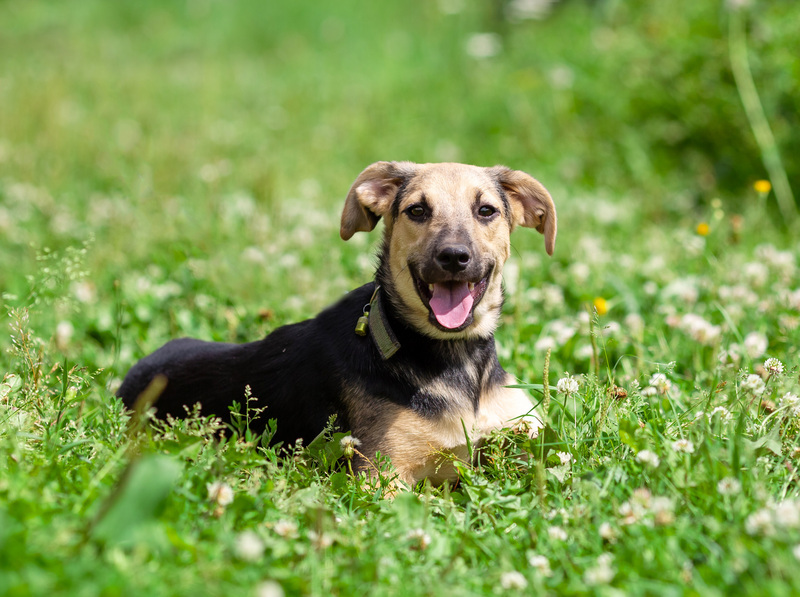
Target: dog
x: 406, y: 362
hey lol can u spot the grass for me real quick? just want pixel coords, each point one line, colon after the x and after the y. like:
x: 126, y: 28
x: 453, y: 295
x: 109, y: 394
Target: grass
x: 173, y: 169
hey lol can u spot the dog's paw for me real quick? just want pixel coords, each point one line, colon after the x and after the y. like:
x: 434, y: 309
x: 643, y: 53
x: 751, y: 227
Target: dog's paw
x: 529, y: 425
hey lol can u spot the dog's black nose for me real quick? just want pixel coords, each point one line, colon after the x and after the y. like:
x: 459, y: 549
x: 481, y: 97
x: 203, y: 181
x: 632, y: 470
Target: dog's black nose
x: 453, y: 258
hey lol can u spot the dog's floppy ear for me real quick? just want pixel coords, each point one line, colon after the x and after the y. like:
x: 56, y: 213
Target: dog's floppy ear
x: 372, y: 194
x: 531, y: 204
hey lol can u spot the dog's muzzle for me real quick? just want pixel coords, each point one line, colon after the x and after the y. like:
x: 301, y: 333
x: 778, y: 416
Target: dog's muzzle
x: 451, y: 288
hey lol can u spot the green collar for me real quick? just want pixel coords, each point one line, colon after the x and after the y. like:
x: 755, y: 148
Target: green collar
x: 374, y: 318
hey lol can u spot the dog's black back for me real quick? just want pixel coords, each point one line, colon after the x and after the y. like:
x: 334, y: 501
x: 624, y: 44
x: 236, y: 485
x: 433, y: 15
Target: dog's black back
x: 294, y: 372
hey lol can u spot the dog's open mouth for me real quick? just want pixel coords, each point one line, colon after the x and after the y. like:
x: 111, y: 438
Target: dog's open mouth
x: 451, y: 303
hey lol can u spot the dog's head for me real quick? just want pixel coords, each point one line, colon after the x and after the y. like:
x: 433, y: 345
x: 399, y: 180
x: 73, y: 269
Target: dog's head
x: 446, y: 238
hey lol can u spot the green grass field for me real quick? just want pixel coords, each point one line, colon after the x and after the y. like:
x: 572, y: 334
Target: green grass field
x: 178, y: 168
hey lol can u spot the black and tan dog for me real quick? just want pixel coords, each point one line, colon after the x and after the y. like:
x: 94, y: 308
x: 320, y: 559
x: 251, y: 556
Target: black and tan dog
x: 407, y: 362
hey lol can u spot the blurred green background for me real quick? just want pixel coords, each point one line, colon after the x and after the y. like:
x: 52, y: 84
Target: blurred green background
x: 603, y: 92
x: 205, y: 146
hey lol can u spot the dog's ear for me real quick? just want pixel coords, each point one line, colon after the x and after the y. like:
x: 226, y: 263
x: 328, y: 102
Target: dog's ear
x: 372, y: 194
x: 531, y: 204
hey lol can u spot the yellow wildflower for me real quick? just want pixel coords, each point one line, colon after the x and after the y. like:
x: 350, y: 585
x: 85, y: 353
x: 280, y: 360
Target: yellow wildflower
x: 762, y: 186
x: 703, y: 229
x: 600, y: 305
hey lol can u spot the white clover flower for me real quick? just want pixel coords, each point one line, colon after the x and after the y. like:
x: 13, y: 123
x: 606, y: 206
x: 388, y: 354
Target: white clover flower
x: 83, y: 291
x: 518, y: 10
x: 598, y: 575
x: 607, y: 532
x: 683, y: 445
x: 349, y: 444
x: 254, y: 255
x: 483, y: 45
x: 564, y: 457
x: 557, y: 533
x: 451, y: 7
x: 760, y: 523
x: 735, y: 5
x: 739, y: 294
x: 513, y: 580
x: 773, y: 366
x: 605, y: 559
x: 220, y: 492
x: 793, y: 300
x: 286, y: 528
x: 320, y: 540
x: 567, y: 385
x: 545, y: 343
x: 660, y: 382
x: 663, y: 510
x: 729, y: 486
x: 783, y: 262
x: 269, y: 588
x: 641, y: 497
x: 683, y: 289
x: 561, y: 331
x: 756, y: 273
x: 724, y: 414
x: 166, y: 290
x: 755, y: 345
x: 580, y: 272
x: 789, y: 323
x: 634, y: 323
x: 787, y: 513
x: 791, y: 402
x: 630, y: 514
x: 552, y: 295
x: 419, y: 538
x: 557, y: 512
x: 564, y: 334
x: 644, y: 507
x: 249, y: 546
x: 212, y: 172
x: 700, y: 330
x: 648, y: 458
x: 64, y: 332
x: 649, y: 392
x: 602, y: 573
x: 541, y: 564
x: 753, y: 384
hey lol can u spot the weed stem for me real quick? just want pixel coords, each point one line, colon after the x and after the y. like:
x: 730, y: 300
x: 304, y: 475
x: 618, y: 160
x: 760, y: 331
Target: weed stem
x: 770, y: 154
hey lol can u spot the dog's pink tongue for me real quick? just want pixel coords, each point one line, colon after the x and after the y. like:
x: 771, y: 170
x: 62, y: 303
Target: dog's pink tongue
x: 451, y: 304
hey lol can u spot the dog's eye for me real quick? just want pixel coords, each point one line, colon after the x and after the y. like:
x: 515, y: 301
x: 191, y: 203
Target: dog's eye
x: 417, y: 211
x: 486, y: 211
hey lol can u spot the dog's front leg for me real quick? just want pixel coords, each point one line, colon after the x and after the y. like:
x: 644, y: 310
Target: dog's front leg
x: 503, y: 408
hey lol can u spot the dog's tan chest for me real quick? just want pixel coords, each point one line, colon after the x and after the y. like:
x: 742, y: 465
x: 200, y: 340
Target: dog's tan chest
x: 425, y: 447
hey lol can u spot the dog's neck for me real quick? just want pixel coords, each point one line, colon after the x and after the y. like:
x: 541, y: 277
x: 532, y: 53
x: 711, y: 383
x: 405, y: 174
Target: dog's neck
x: 464, y: 365
x: 379, y: 329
